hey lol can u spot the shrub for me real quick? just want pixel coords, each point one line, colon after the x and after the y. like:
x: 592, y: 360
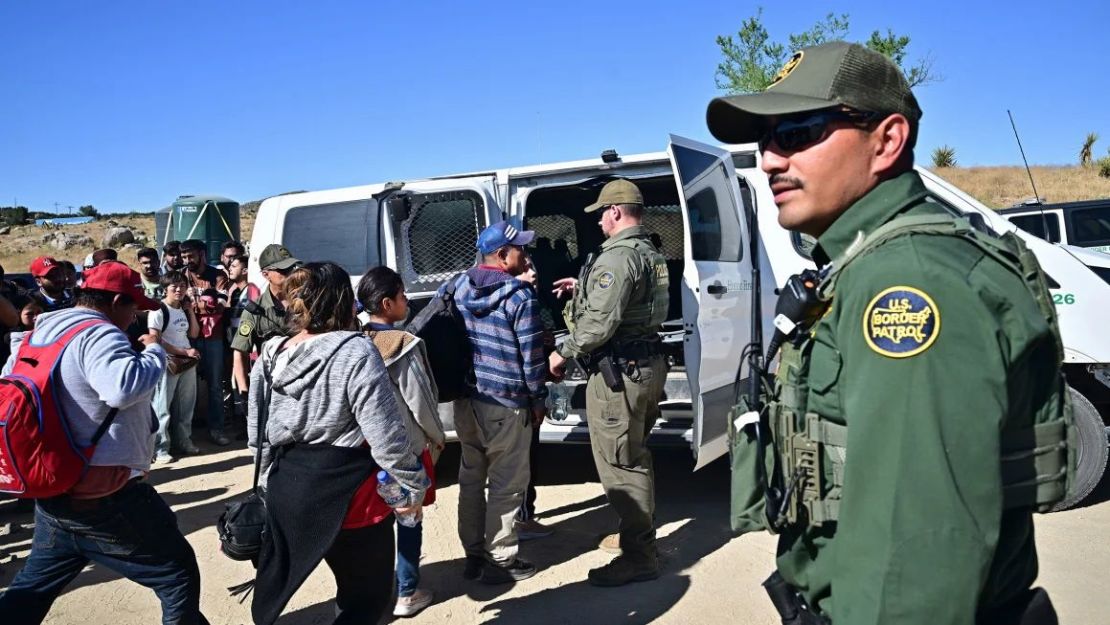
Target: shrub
x: 1104, y: 167
x: 944, y: 156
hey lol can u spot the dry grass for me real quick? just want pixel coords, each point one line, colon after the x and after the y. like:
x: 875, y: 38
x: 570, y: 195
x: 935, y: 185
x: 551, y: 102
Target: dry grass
x: 1001, y: 187
x: 25, y: 243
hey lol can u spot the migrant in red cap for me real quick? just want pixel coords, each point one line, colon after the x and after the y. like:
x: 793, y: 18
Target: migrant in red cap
x: 116, y: 277
x: 42, y: 266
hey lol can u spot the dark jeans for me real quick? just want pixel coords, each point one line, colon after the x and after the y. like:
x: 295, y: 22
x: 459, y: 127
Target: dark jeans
x: 409, y: 542
x: 132, y: 532
x: 212, y: 367
x: 528, y: 507
x: 362, y: 562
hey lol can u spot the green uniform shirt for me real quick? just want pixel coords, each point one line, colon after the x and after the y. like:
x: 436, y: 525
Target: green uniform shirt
x: 930, y: 349
x: 622, y: 295
x: 256, y: 329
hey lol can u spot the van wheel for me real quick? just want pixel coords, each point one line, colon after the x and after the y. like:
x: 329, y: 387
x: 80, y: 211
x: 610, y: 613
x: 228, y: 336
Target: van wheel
x: 1091, y: 450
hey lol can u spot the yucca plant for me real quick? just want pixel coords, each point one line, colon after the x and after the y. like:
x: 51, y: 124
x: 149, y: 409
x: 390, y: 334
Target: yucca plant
x: 1086, y: 151
x: 944, y: 156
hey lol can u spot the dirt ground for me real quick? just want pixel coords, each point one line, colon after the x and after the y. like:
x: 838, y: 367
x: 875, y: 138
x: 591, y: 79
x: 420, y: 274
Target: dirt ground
x: 708, y: 575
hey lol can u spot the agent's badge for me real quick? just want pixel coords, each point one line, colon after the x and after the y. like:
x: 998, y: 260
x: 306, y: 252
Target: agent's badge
x: 900, y: 322
x: 605, y: 280
x: 245, y: 328
x: 791, y: 65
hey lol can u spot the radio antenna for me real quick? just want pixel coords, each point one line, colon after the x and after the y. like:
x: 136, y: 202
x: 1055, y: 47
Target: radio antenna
x: 1044, y: 220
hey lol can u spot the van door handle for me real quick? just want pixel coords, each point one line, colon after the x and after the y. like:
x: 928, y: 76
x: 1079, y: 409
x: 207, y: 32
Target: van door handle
x: 716, y: 289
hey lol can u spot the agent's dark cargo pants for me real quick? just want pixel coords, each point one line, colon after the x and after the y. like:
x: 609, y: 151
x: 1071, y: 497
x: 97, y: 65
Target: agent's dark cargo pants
x: 620, y: 422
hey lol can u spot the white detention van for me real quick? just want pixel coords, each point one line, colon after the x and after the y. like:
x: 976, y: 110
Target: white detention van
x: 699, y: 200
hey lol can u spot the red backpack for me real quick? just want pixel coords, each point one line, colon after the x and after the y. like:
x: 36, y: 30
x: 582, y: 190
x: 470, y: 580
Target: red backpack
x: 38, y: 457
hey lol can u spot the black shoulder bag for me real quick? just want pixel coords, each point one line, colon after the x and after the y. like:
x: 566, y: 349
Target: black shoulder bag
x: 242, y: 525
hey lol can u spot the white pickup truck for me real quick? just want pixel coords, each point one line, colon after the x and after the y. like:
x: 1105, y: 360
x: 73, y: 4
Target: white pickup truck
x: 698, y: 200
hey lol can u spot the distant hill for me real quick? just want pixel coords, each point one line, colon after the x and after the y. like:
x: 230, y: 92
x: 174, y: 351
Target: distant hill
x: 1002, y: 187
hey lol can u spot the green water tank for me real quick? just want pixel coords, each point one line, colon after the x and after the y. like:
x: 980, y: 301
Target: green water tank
x: 210, y: 218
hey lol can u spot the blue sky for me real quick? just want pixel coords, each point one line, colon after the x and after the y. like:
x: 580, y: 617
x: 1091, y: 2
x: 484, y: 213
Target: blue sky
x: 127, y: 104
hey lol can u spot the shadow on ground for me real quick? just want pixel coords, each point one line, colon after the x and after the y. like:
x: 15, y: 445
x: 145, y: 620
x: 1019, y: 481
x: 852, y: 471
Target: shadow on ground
x: 189, y: 520
x: 698, y: 502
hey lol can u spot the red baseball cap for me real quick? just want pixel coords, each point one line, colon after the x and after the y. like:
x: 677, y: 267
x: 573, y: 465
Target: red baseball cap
x: 42, y: 266
x: 116, y: 277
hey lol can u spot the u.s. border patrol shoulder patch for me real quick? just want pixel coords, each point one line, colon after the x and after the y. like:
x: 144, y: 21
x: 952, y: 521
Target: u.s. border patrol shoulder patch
x: 245, y: 328
x: 605, y: 280
x: 900, y: 322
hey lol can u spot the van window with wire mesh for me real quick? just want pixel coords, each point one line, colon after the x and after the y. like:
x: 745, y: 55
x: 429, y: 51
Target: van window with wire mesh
x: 555, y: 228
x: 346, y: 233
x: 665, y: 223
x: 440, y: 237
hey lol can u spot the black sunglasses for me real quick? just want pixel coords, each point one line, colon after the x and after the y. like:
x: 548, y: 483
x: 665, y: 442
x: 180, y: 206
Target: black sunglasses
x: 797, y: 132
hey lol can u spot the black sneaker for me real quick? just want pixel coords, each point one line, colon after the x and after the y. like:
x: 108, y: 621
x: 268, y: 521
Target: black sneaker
x: 473, y: 568
x: 515, y: 571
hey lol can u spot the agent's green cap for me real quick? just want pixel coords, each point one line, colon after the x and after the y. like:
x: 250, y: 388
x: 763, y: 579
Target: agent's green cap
x: 830, y: 75
x: 277, y: 257
x: 619, y: 191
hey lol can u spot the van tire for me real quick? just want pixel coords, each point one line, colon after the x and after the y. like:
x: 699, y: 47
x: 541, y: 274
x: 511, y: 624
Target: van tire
x: 1091, y: 450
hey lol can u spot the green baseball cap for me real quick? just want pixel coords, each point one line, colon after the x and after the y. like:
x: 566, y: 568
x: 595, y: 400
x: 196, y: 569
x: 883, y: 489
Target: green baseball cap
x: 619, y: 191
x: 832, y: 74
x: 277, y: 257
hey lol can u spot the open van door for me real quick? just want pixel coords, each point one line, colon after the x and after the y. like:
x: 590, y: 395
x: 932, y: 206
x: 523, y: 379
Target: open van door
x: 716, y: 287
x: 432, y: 228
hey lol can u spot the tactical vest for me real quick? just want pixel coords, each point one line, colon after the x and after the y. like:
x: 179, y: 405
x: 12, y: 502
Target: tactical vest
x: 265, y: 328
x: 810, y: 450
x: 650, y: 300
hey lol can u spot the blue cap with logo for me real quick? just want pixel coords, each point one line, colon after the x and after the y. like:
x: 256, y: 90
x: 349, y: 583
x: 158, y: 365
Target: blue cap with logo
x: 501, y: 234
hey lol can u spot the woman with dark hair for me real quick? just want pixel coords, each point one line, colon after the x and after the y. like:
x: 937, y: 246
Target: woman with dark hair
x: 331, y: 421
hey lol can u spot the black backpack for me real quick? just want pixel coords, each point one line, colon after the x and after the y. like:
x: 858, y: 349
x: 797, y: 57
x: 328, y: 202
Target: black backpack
x: 440, y: 325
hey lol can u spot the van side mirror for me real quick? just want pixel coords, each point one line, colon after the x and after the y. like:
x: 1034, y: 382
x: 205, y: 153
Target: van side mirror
x: 398, y: 207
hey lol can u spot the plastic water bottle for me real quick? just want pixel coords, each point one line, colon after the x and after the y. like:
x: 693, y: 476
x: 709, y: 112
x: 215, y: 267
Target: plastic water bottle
x: 396, y: 496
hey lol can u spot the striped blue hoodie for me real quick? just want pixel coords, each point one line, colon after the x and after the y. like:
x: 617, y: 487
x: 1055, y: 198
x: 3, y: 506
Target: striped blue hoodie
x: 502, y: 318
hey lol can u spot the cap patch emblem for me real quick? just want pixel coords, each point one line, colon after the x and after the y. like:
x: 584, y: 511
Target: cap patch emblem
x: 900, y: 322
x: 790, y: 66
x: 605, y: 280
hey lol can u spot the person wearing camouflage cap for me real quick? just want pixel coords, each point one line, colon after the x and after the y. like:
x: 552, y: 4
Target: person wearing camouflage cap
x: 920, y: 509
x: 261, y: 320
x: 619, y: 303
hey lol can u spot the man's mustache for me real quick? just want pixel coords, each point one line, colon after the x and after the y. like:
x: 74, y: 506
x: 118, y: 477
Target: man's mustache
x: 789, y: 180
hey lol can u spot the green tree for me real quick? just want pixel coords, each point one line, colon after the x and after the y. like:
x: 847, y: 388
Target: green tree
x: 1085, y: 152
x: 13, y: 215
x: 944, y: 156
x: 89, y: 211
x: 751, y: 58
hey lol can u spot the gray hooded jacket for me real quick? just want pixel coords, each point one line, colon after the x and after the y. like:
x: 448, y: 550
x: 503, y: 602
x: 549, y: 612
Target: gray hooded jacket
x: 332, y: 389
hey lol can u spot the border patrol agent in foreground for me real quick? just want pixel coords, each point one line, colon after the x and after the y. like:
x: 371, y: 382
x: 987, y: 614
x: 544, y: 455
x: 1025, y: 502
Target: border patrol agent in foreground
x: 620, y: 301
x: 261, y: 320
x: 922, y: 419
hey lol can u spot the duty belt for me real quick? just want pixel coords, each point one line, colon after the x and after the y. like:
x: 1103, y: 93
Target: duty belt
x: 635, y: 349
